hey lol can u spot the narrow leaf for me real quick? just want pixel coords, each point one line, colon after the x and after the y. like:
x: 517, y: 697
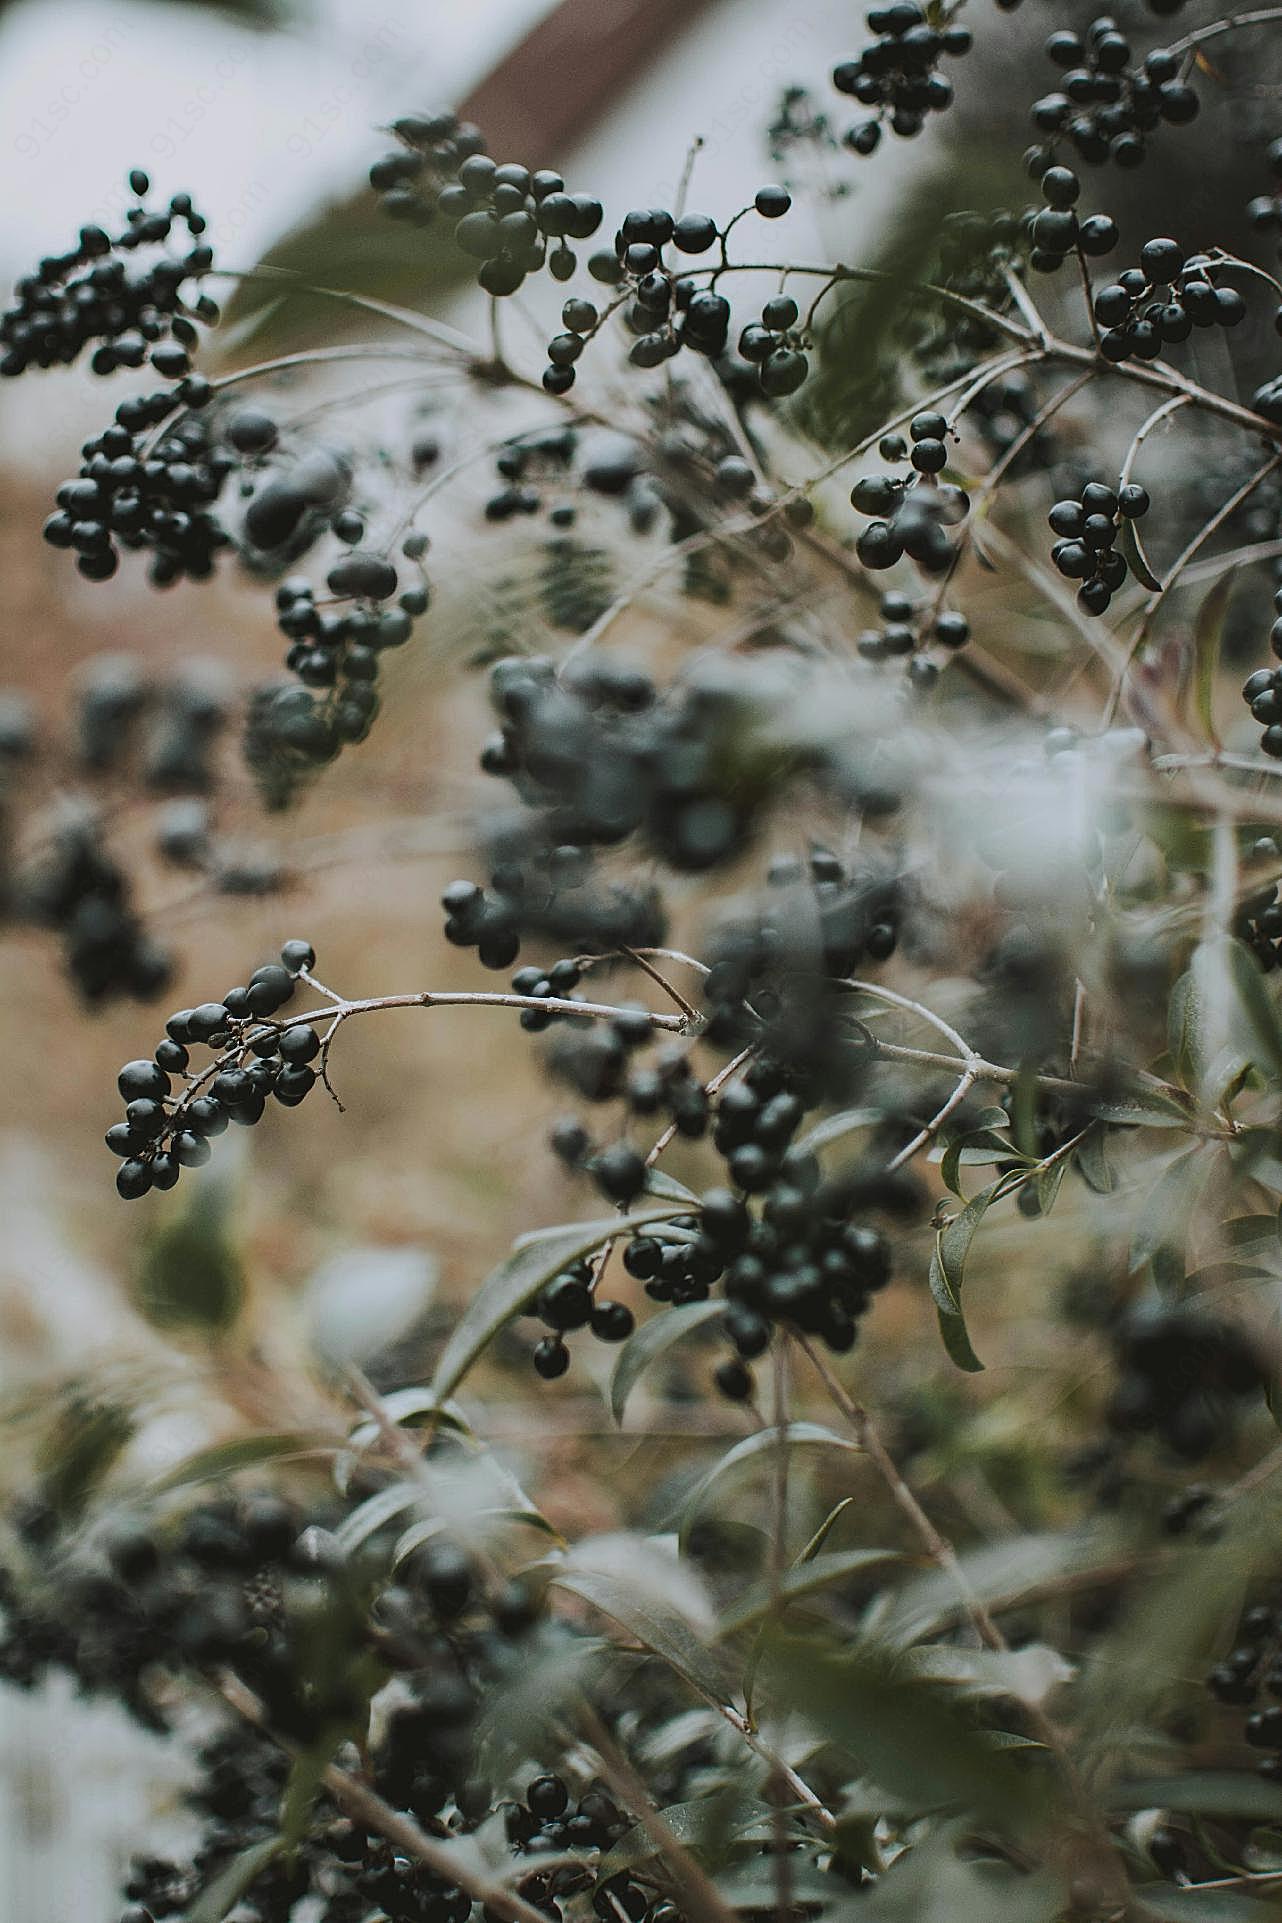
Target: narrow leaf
x: 516, y: 1281
x: 915, y: 1737
x: 1208, y: 631
x: 824, y: 1530
x: 1091, y: 1157
x: 660, y: 1628
x: 1000, y: 1575
x: 651, y: 1341
x: 748, y: 1455
x: 231, y: 1883
x: 1204, y: 1793
x: 764, y: 1598
x: 947, y: 1266
x: 1132, y: 547
x: 833, y: 1127
x: 242, y: 1452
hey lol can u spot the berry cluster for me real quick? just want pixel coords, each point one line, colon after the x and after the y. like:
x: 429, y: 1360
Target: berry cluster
x: 803, y: 1259
x: 509, y: 219
x: 1262, y: 692
x: 598, y: 1063
x: 98, y: 292
x: 898, y: 74
x: 1181, y: 1375
x: 254, y: 1057
x: 1265, y: 211
x: 1088, y: 528
x: 1258, y: 921
x: 186, y: 713
x: 800, y: 1260
x: 913, y: 512
x: 80, y: 890
x: 298, y: 500
x: 544, y: 1820
x: 1056, y: 231
x: 550, y: 1820
x: 1106, y: 105
x: 777, y: 976
x: 601, y: 756
x: 1253, y: 1664
x: 570, y: 1302
x: 537, y: 889
x: 1138, y: 322
x: 773, y: 345
x: 343, y: 643
x: 335, y: 650
x: 136, y: 492
x: 907, y: 629
x: 667, y: 312
x: 253, y: 1585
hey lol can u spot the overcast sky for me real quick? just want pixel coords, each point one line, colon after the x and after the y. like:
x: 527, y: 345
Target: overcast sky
x: 262, y: 127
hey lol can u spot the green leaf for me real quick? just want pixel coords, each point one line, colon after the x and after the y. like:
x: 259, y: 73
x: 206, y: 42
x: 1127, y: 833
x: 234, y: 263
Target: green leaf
x: 302, y: 1789
x: 1256, y: 1004
x: 947, y: 1265
x: 651, y: 1341
x: 1132, y: 546
x: 1145, y: 1108
x: 748, y: 1455
x: 1163, y: 1220
x: 978, y: 1146
x: 528, y: 1713
x: 821, y: 1572
x: 653, y: 1620
x: 531, y: 1265
x: 824, y: 1530
x: 1201, y: 1906
x: 706, y: 1825
x: 833, y: 1127
x: 383, y: 1507
x: 932, y: 1883
x: 232, y: 1882
x: 75, y: 1456
x: 1253, y: 1235
x: 242, y: 1452
x: 191, y: 1278
x: 1203, y: 1792
x: 1091, y: 1158
x: 416, y: 1407
x: 1047, y: 1183
x: 1000, y: 1575
x: 659, y: 1183
x: 1208, y: 631
x: 915, y: 1737
x: 1222, y: 1019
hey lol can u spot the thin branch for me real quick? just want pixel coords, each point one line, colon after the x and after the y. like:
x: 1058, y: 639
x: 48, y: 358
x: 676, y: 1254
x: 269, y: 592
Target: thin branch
x: 927, y: 1134
x: 363, y: 1803
x: 699, y: 1895
x: 647, y: 967
x: 1198, y: 541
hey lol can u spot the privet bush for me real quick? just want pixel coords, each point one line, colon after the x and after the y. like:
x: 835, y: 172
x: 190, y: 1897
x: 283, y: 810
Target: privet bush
x: 935, y: 887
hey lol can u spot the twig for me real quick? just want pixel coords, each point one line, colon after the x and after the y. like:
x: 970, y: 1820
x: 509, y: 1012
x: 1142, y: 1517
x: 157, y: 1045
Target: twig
x: 647, y: 967
x: 369, y: 1808
x: 699, y: 1894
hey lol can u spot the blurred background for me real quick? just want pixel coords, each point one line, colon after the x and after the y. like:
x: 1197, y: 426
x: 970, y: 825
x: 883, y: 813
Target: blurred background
x: 266, y: 113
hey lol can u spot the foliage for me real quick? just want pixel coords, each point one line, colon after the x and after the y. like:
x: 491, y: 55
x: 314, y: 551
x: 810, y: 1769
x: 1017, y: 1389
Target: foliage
x: 883, y: 962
